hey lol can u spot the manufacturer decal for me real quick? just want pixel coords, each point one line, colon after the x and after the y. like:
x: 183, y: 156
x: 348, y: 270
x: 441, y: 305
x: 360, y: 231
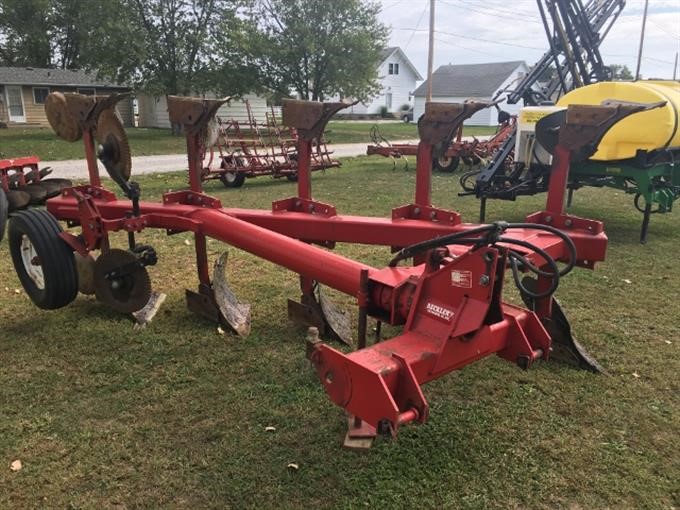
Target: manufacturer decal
x: 460, y: 278
x: 439, y: 311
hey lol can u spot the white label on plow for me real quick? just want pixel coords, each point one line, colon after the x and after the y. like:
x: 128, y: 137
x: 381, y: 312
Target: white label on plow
x: 439, y: 311
x: 460, y: 278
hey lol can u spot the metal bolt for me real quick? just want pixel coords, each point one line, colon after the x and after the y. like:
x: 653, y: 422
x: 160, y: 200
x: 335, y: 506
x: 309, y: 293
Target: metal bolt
x: 311, y: 207
x: 433, y: 215
x: 548, y: 219
x: 568, y: 223
x: 416, y: 211
x: 484, y: 280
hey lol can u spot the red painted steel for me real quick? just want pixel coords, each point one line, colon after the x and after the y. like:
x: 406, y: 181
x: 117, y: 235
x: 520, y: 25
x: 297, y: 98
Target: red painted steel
x: 450, y: 306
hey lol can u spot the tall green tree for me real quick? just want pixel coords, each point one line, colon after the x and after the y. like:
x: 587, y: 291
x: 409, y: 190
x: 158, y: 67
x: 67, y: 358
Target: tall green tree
x: 318, y: 48
x: 25, y: 33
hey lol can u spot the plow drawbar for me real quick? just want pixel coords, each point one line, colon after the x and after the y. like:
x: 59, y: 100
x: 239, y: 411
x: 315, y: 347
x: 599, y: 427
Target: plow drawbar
x: 448, y: 301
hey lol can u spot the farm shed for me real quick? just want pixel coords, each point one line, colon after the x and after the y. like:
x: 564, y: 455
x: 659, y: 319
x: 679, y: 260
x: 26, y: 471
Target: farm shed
x: 153, y: 110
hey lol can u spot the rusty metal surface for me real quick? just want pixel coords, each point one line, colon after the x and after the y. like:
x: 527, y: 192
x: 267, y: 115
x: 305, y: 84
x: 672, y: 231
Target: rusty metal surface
x: 586, y: 125
x: 64, y: 124
x: 126, y: 293
x: 309, y: 117
x: 194, y: 113
x: 115, y: 149
x: 441, y: 121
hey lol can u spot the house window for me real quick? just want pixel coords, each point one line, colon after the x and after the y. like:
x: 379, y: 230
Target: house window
x: 86, y: 92
x: 393, y: 69
x: 40, y: 95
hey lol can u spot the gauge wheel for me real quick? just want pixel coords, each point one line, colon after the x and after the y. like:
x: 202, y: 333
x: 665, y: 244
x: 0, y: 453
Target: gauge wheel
x: 43, y: 261
x: 232, y: 178
x: 446, y: 163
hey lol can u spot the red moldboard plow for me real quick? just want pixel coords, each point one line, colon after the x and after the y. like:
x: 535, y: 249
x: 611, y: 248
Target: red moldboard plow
x: 449, y: 301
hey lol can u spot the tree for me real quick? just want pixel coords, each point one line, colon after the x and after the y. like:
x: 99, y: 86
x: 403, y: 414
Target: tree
x: 318, y: 48
x: 24, y: 33
x: 620, y: 72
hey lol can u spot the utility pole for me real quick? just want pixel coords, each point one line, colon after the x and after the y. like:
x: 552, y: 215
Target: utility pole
x: 675, y: 66
x: 642, y: 40
x: 430, y: 54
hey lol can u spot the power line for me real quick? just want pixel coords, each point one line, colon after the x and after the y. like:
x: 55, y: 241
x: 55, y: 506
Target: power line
x: 490, y: 11
x: 417, y: 26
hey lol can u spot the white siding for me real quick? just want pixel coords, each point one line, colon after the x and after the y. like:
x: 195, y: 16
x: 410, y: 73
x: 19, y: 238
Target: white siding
x: 488, y: 116
x: 153, y: 111
x: 401, y: 86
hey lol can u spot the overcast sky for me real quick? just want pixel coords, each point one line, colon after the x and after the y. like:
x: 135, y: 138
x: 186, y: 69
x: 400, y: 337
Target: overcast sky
x: 476, y: 31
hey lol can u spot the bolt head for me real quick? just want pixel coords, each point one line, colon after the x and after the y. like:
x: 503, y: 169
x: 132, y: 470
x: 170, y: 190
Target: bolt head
x: 484, y: 280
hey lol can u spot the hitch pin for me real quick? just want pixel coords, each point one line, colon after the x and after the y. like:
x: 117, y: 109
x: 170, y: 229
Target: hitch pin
x: 408, y: 416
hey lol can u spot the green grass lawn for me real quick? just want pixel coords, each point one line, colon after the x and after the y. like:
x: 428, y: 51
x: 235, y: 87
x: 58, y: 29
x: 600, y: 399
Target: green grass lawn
x: 359, y: 132
x: 175, y: 415
x: 41, y: 142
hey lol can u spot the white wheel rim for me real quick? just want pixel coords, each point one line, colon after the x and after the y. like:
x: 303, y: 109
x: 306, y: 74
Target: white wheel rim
x: 32, y: 262
x: 444, y: 161
x: 230, y: 176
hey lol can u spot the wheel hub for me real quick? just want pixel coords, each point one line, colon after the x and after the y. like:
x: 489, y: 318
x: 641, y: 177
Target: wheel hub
x: 32, y: 263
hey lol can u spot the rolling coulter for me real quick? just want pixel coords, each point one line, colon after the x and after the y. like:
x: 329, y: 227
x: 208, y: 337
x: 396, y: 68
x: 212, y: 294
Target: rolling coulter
x: 449, y: 301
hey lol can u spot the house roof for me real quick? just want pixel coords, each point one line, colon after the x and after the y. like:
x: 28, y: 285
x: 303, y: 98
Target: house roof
x: 52, y: 77
x: 387, y: 52
x: 469, y: 80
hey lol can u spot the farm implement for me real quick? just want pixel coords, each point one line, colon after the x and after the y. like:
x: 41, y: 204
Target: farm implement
x: 449, y: 302
x: 23, y: 183
x: 470, y: 152
x: 252, y: 149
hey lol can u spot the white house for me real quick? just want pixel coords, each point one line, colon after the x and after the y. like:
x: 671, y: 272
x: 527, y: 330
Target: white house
x: 398, y: 78
x: 482, y: 82
x: 153, y: 111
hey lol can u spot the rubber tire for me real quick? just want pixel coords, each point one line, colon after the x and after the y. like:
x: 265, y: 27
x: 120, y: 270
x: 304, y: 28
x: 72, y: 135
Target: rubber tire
x: 4, y: 211
x: 405, y: 119
x: 58, y: 263
x: 239, y: 179
x: 449, y: 167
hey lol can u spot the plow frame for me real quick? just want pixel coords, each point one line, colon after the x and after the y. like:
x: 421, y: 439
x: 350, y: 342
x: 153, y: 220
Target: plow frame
x: 449, y: 302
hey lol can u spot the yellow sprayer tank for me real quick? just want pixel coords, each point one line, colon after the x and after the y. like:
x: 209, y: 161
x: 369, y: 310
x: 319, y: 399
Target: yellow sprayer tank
x: 654, y: 129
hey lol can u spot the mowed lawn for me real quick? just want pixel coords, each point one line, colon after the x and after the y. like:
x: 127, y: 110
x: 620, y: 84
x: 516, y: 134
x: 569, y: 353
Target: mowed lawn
x: 43, y: 143
x: 175, y: 415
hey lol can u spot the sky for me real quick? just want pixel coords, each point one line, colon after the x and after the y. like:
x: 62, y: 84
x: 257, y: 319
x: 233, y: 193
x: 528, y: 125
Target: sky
x: 477, y: 31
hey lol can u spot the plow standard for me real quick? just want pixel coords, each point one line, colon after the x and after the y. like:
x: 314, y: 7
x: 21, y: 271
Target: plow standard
x: 449, y: 301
